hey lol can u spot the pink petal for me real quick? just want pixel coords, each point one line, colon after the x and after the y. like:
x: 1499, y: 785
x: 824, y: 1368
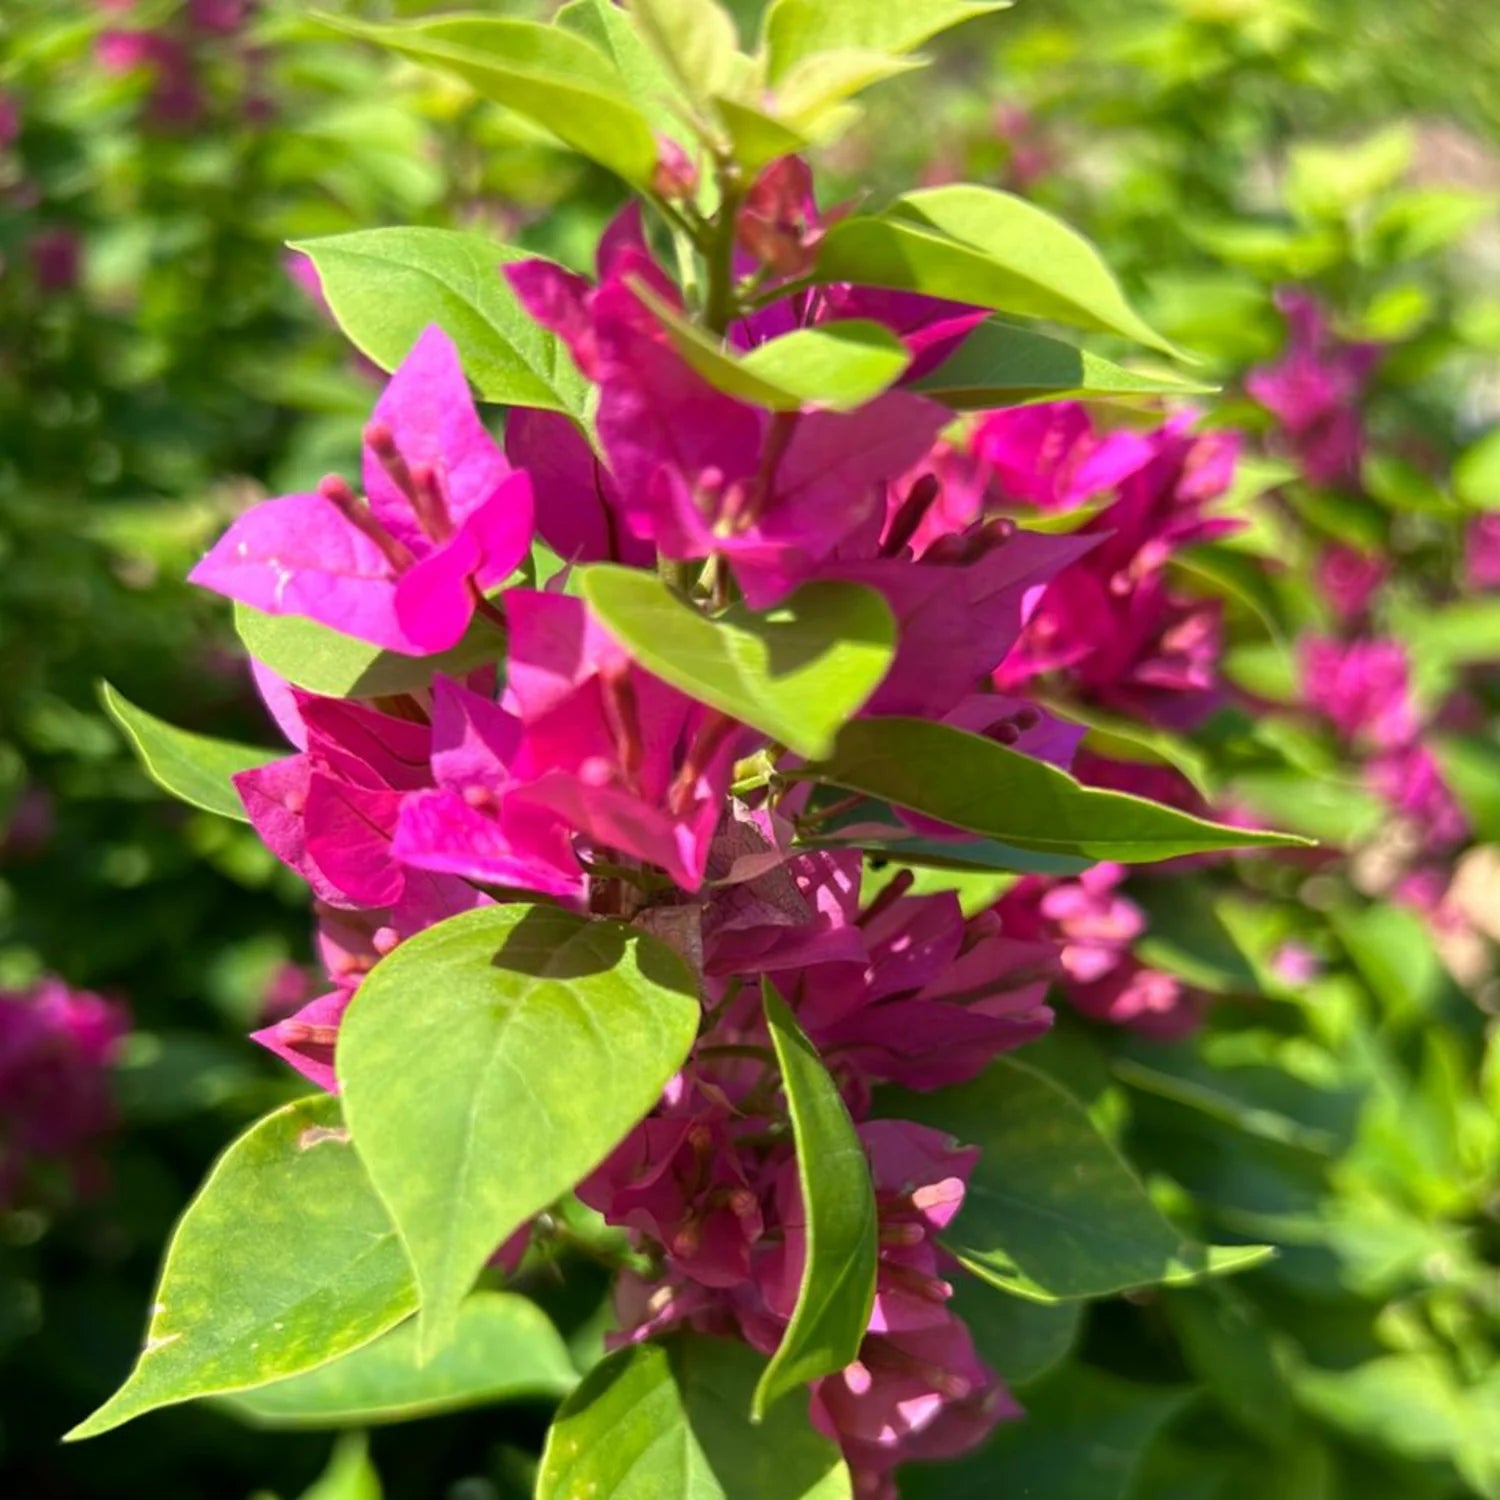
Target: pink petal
x: 310, y: 1055
x: 431, y: 415
x: 297, y: 555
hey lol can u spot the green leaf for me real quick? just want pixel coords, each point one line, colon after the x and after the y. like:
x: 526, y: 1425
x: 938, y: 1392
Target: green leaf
x: 548, y: 74
x: 809, y: 95
x: 1002, y: 365
x: 671, y: 1420
x: 1084, y: 1436
x: 1476, y: 474
x: 1327, y: 181
x: 194, y: 767
x: 839, y: 365
x: 982, y: 787
x: 1021, y: 1339
x: 350, y: 1475
x: 794, y: 30
x: 1125, y: 739
x: 503, y: 1349
x: 610, y: 29
x: 1471, y: 767
x: 1046, y: 1234
x: 757, y: 136
x: 1229, y: 1347
x: 324, y: 661
x: 283, y: 1261
x: 489, y: 1063
x: 386, y: 285
x: 837, y: 1292
x: 796, y: 672
x: 696, y: 42
x: 987, y: 248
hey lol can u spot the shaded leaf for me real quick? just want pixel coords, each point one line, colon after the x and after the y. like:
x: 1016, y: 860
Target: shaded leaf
x: 983, y: 787
x: 1084, y: 1436
x: 1022, y: 1340
x: 1002, y: 365
x: 1052, y: 1235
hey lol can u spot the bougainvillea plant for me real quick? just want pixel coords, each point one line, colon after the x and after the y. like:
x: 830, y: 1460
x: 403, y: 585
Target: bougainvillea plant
x: 669, y: 735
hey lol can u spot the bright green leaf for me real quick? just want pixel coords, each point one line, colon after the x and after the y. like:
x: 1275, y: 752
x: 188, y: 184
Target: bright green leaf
x: 1327, y: 181
x: 1476, y: 474
x: 1051, y: 1235
x: 837, y: 1291
x: 503, y: 1349
x: 839, y: 365
x: 323, y: 661
x: 386, y: 285
x: 813, y: 88
x: 795, y: 672
x: 982, y: 787
x: 194, y: 767
x: 672, y: 1420
x: 490, y: 1062
x: 1002, y: 365
x: 795, y: 30
x: 987, y: 248
x: 548, y: 74
x: 696, y: 42
x: 610, y: 29
x: 756, y: 136
x: 284, y: 1261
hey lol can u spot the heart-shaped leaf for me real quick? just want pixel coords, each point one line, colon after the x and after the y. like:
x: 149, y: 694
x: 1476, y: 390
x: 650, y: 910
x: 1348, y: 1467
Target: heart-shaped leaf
x: 982, y: 787
x: 194, y: 767
x: 796, y: 672
x: 987, y: 248
x: 503, y: 1349
x: 672, y: 1419
x: 385, y: 286
x: 1050, y: 1235
x: 837, y: 1291
x: 284, y: 1261
x: 490, y: 1062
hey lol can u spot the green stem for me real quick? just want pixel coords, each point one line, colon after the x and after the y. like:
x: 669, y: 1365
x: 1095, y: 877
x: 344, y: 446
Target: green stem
x: 718, y: 301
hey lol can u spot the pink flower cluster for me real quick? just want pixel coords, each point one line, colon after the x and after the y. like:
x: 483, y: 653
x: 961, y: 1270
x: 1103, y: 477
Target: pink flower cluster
x: 580, y: 777
x: 1112, y: 626
x: 1363, y: 688
x: 173, y: 55
x: 56, y: 1046
x: 1096, y: 923
x: 1315, y: 392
